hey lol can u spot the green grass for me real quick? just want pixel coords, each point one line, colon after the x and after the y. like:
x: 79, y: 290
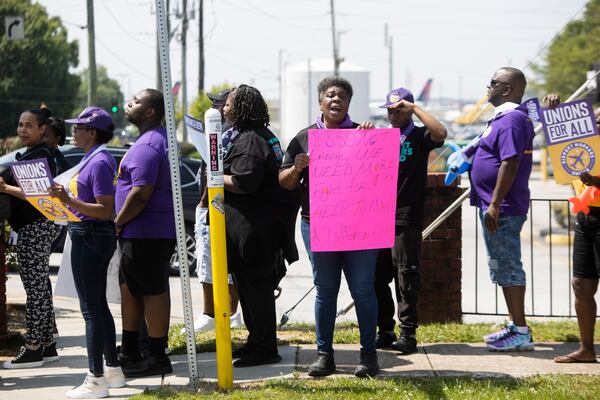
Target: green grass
x: 554, y: 387
x: 346, y: 333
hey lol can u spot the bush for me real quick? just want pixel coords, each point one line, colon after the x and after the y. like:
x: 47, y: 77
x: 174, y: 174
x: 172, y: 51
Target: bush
x: 9, y: 144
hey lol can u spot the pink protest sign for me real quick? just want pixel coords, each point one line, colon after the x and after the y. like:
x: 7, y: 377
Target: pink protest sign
x: 353, y: 178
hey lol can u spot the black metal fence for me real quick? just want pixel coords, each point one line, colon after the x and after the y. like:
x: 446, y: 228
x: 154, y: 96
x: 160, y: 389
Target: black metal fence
x: 546, y: 248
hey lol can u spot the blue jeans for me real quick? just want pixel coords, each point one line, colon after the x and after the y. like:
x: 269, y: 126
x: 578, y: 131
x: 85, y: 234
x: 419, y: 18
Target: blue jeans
x: 504, y: 250
x: 93, y: 244
x: 359, y: 270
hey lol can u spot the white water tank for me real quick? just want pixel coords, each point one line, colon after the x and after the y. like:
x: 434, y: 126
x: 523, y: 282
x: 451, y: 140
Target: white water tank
x: 300, y: 98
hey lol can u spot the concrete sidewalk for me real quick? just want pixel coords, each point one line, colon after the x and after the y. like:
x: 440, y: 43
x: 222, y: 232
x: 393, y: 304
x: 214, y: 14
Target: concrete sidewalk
x: 432, y: 360
x: 53, y: 380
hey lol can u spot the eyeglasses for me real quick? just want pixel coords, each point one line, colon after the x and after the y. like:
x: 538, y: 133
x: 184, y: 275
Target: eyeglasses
x: 81, y: 128
x: 494, y: 82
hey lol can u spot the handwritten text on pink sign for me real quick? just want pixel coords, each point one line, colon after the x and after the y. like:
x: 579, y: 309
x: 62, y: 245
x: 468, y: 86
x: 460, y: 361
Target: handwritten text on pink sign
x: 353, y: 178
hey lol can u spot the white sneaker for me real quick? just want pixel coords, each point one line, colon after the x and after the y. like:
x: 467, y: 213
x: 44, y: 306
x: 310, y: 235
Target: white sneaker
x: 92, y: 388
x: 204, y: 323
x: 236, y: 320
x: 114, y: 377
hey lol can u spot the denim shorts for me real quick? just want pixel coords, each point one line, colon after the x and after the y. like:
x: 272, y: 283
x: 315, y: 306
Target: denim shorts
x: 504, y: 250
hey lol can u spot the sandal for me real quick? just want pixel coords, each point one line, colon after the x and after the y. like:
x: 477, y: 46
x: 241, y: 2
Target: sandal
x: 569, y: 359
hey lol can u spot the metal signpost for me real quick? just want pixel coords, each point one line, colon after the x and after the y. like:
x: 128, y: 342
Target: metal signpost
x: 184, y: 273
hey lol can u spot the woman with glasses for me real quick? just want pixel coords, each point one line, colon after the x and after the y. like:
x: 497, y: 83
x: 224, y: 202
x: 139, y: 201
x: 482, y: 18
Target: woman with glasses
x: 36, y: 234
x: 90, y: 196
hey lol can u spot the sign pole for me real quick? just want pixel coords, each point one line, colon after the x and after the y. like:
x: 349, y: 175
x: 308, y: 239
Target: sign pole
x: 218, y: 249
x: 184, y: 273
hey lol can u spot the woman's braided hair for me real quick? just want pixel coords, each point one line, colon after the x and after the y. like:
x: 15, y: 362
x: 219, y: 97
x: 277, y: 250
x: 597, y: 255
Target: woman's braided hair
x: 249, y: 108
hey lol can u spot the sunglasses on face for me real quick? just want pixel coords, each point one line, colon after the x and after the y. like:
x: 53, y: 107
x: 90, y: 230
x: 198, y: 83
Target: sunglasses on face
x: 495, y: 82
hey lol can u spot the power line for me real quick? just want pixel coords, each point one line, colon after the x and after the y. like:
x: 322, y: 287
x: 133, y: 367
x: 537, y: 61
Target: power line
x: 123, y: 28
x: 120, y: 59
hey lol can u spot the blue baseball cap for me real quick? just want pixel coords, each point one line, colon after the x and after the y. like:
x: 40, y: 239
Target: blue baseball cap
x: 396, y: 95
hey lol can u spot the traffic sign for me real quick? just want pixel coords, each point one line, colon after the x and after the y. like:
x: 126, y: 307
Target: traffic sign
x: 15, y: 27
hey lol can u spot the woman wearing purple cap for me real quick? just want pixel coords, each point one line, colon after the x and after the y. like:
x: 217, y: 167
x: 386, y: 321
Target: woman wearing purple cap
x: 90, y: 196
x: 359, y: 266
x: 36, y: 234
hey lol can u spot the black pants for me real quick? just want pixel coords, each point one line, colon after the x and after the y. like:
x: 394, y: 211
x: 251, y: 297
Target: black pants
x: 401, y: 265
x: 255, y: 284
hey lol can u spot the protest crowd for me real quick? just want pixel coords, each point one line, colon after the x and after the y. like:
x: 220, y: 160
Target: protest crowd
x: 128, y: 208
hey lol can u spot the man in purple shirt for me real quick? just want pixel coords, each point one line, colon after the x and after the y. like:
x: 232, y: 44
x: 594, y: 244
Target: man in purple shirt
x: 499, y: 188
x: 146, y: 227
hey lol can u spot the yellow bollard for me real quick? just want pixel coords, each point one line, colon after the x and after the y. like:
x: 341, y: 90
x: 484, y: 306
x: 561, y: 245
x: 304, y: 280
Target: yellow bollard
x: 218, y: 249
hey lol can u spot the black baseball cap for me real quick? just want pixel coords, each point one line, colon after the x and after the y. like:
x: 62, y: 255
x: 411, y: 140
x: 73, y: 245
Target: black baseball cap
x: 220, y: 98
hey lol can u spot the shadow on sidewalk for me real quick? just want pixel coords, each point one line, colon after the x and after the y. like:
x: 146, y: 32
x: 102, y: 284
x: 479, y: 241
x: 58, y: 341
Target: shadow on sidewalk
x: 543, y: 351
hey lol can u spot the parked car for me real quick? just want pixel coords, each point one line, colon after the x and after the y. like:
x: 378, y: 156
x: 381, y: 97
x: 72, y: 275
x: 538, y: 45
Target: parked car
x: 190, y: 197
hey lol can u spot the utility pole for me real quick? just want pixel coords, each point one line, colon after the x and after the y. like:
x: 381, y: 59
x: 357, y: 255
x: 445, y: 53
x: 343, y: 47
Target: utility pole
x: 388, y: 44
x: 200, y: 47
x: 336, y: 59
x: 92, y: 84
x: 184, y: 22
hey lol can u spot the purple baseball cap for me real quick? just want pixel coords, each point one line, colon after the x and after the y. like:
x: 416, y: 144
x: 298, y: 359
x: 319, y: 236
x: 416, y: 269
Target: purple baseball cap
x: 396, y: 95
x: 94, y: 117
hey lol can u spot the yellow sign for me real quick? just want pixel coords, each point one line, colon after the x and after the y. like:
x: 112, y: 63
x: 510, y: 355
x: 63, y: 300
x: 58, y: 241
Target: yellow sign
x: 34, y: 179
x: 52, y: 209
x: 572, y: 138
x: 571, y: 159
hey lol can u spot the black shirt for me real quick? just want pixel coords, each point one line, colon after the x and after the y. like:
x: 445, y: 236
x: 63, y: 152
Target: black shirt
x: 22, y: 212
x: 299, y: 145
x: 412, y: 177
x: 261, y: 220
x: 61, y: 163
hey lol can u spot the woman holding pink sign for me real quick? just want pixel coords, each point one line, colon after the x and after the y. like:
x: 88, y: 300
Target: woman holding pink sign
x: 335, y: 94
x: 36, y: 234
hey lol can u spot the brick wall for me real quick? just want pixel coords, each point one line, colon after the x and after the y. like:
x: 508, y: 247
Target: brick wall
x: 440, y: 297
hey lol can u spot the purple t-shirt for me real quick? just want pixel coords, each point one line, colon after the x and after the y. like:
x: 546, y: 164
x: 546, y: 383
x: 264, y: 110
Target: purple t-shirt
x: 510, y: 135
x: 147, y: 163
x: 96, y: 178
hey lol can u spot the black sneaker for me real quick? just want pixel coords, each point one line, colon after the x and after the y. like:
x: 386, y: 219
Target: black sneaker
x: 406, y: 344
x: 27, y: 358
x: 385, y: 339
x: 50, y: 354
x: 368, y: 366
x: 323, y: 365
x: 149, y: 366
x: 253, y: 359
x: 127, y: 359
x: 240, y: 351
